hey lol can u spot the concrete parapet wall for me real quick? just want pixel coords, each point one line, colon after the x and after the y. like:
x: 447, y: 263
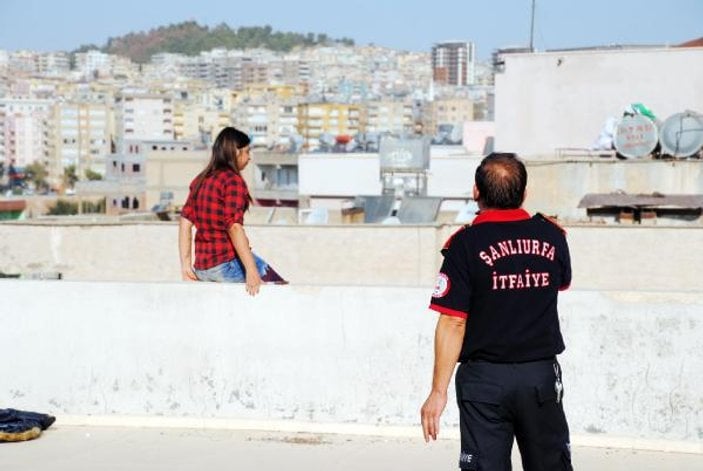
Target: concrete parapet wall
x: 322, y: 354
x: 603, y: 257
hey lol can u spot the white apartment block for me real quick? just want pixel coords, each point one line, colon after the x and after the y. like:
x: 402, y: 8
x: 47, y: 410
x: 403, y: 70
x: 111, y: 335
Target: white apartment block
x: 271, y: 123
x: 53, y: 64
x: 98, y: 64
x: 285, y: 123
x: 253, y: 117
x: 25, y: 130
x: 141, y: 116
x: 23, y: 62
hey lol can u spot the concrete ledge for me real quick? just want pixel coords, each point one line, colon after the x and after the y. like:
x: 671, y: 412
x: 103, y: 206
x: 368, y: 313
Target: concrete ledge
x: 328, y: 359
x: 603, y: 257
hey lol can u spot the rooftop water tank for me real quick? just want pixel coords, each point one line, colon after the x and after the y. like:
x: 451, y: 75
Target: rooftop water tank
x: 635, y: 136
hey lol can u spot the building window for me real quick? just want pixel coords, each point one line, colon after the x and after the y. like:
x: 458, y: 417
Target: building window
x: 136, y: 167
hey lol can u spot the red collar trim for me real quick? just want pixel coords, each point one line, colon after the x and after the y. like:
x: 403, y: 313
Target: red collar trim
x: 501, y: 215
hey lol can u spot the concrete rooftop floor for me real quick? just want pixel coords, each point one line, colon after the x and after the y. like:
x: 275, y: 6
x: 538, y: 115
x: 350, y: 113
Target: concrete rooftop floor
x: 74, y: 448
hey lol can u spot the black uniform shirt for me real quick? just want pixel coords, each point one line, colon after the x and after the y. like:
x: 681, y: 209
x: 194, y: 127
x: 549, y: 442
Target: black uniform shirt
x: 503, y: 274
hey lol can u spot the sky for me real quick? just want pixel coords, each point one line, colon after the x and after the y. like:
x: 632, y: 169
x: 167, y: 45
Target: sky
x: 414, y: 25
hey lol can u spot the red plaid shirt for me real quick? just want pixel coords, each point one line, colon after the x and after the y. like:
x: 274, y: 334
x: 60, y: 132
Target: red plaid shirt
x: 220, y: 202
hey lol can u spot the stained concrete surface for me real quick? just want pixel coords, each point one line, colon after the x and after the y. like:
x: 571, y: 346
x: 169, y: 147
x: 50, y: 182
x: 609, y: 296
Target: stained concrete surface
x: 72, y: 448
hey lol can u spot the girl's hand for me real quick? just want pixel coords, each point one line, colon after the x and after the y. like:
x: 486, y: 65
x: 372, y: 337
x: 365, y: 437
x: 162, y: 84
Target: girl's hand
x: 253, y: 281
x: 187, y: 274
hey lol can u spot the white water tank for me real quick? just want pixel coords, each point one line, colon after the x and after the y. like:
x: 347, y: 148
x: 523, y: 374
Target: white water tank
x: 635, y: 136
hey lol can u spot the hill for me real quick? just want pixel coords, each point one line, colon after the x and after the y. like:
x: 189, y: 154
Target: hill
x: 190, y: 38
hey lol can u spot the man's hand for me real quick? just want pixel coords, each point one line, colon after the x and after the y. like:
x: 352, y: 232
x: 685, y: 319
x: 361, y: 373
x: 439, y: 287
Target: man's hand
x: 430, y: 413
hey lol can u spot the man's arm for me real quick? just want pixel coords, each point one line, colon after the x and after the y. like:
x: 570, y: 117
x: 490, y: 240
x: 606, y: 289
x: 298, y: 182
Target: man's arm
x: 185, y: 239
x: 449, y: 337
x: 241, y: 246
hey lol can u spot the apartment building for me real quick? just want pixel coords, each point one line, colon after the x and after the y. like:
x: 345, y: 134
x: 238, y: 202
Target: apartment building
x: 194, y: 121
x: 22, y: 62
x: 335, y: 119
x: 394, y: 116
x: 269, y: 113
x: 448, y: 111
x: 453, y: 63
x: 93, y: 64
x: 289, y: 71
x: 4, y: 59
x: 53, y: 64
x: 25, y: 130
x: 143, y: 116
x: 169, y: 167
x: 84, y: 132
x: 269, y: 122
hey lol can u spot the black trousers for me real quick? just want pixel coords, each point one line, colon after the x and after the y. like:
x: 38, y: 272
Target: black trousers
x: 502, y: 401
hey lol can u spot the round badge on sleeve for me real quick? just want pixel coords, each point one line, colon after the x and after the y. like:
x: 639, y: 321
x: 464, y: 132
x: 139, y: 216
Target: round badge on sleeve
x: 441, y: 287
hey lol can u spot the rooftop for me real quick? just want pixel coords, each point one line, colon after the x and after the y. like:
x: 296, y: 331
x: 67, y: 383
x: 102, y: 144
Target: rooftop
x: 67, y: 448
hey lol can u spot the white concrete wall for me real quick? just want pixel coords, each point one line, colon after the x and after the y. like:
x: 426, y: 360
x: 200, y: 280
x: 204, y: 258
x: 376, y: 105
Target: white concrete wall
x: 339, y: 174
x: 603, y: 257
x: 557, y: 187
x: 561, y: 99
x: 452, y: 176
x: 344, y: 355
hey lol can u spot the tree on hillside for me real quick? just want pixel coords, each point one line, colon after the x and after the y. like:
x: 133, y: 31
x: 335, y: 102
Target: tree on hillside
x: 190, y: 38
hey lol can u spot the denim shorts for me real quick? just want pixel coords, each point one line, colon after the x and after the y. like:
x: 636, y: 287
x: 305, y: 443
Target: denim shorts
x: 232, y: 271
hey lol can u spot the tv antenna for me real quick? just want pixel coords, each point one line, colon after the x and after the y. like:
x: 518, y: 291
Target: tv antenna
x: 532, y: 28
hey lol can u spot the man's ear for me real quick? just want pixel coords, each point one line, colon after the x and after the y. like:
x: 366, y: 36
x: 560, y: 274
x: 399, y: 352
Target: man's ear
x: 476, y: 194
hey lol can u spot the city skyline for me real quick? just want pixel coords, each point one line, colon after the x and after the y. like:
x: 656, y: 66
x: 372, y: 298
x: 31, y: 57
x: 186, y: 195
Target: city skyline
x: 414, y: 27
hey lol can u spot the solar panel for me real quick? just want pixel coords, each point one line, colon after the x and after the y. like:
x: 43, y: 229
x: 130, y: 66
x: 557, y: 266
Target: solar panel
x: 376, y: 208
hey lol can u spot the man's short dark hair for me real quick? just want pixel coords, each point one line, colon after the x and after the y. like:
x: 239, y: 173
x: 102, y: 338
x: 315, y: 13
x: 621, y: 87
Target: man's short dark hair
x: 501, y: 179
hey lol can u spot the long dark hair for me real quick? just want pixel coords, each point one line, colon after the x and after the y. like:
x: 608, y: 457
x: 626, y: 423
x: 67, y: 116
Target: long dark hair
x: 224, y: 149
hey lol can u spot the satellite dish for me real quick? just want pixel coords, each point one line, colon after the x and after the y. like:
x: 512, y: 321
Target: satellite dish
x: 635, y: 136
x: 681, y: 135
x: 327, y: 140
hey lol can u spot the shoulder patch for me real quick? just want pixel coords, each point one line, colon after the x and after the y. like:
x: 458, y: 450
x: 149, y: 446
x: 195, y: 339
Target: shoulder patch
x: 551, y: 219
x: 442, y: 286
x: 451, y: 237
